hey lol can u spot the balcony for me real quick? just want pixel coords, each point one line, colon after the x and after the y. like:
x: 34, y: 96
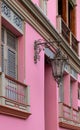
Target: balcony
x: 66, y: 33
x: 14, y: 97
x: 69, y: 117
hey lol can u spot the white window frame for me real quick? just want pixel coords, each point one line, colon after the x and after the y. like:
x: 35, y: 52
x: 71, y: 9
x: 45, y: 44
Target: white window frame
x: 6, y: 47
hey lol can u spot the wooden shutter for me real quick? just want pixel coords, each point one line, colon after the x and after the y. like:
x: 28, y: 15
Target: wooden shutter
x: 2, y: 35
x: 11, y: 42
x: 11, y: 63
x: 2, y: 56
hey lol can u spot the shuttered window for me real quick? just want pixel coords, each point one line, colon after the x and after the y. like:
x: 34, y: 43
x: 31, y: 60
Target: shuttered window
x: 11, y: 64
x: 11, y: 41
x: 9, y: 53
x: 2, y: 51
x: 67, y: 10
x: 2, y: 35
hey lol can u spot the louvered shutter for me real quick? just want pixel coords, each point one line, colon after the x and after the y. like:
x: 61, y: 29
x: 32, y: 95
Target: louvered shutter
x: 2, y: 56
x: 2, y: 35
x: 11, y: 41
x: 11, y: 63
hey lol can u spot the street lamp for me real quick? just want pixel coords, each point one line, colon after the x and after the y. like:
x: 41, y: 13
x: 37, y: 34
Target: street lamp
x: 58, y: 65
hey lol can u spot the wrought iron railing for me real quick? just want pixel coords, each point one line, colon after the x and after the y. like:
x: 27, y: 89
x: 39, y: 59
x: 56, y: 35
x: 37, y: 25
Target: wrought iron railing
x: 15, y: 90
x: 69, y: 115
x: 67, y: 34
x: 74, y: 43
x: 14, y: 95
x: 65, y: 31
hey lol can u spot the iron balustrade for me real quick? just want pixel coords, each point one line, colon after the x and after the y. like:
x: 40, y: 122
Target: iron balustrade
x: 14, y: 94
x: 66, y: 33
x: 74, y: 43
x: 69, y: 115
x: 15, y: 91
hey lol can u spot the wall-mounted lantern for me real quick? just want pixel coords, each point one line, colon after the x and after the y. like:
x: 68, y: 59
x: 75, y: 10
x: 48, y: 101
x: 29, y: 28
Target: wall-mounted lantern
x: 57, y: 63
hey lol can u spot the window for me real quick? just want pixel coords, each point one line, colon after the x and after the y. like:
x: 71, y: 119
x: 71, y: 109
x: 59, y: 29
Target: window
x: 9, y: 53
x: 68, y: 13
x: 14, y: 95
x: 43, y: 5
x: 60, y: 7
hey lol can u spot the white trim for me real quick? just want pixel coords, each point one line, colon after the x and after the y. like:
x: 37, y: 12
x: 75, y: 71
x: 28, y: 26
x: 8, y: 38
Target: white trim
x: 6, y: 48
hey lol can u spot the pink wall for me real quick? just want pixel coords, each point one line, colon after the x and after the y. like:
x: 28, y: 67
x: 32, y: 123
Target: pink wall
x: 79, y: 103
x: 51, y: 100
x: 75, y: 95
x: 79, y: 78
x: 79, y: 83
x: 34, y: 76
x: 52, y: 11
x: 63, y: 129
x: 67, y: 92
x: 67, y: 89
x: 21, y: 61
x: 36, y: 2
x: 43, y: 92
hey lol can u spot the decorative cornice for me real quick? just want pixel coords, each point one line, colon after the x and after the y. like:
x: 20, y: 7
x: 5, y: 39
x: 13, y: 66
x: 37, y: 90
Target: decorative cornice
x: 11, y: 17
x: 41, y: 23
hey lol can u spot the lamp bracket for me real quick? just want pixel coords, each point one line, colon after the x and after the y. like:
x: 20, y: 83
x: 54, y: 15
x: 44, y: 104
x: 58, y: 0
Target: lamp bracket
x: 40, y: 45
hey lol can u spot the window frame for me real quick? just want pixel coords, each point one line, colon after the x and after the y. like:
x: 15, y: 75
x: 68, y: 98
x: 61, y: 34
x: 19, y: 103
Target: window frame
x: 68, y: 12
x: 5, y: 52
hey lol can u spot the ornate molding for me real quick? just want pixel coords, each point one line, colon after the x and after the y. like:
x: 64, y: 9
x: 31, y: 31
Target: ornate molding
x: 12, y: 17
x: 41, y: 23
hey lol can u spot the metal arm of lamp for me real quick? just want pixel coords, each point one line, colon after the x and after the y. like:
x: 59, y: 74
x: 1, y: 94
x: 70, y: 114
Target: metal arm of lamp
x: 57, y: 63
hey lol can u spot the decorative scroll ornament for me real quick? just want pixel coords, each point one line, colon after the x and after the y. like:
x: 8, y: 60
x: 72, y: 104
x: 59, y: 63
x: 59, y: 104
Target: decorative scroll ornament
x: 12, y: 17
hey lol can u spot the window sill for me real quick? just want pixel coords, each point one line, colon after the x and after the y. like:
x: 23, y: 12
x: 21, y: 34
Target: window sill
x: 13, y: 112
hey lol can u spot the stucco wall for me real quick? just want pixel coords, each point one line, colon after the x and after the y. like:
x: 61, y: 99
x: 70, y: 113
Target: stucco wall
x: 34, y: 76
x: 51, y: 100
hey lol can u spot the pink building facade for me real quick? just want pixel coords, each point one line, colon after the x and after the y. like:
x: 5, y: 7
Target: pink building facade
x: 29, y: 95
